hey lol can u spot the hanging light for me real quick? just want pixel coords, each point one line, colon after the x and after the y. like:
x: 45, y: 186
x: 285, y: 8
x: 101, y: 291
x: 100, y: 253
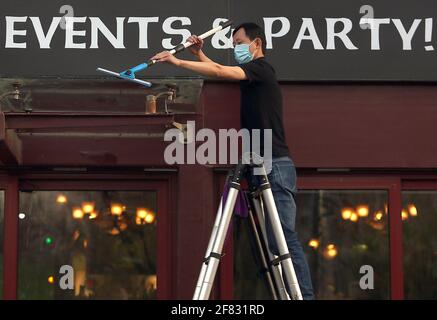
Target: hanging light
x: 77, y: 213
x: 114, y: 231
x: 354, y: 217
x: 363, y: 211
x: 122, y: 226
x: 404, y: 215
x: 378, y: 223
x: 93, y: 215
x: 61, y: 199
x: 346, y: 213
x: 151, y: 283
x: 378, y: 216
x: 149, y: 218
x: 144, y: 216
x: 330, y: 251
x: 139, y: 221
x: 412, y: 210
x: 314, y: 243
x: 87, y: 207
x: 142, y: 213
x: 116, y: 209
x: 361, y: 247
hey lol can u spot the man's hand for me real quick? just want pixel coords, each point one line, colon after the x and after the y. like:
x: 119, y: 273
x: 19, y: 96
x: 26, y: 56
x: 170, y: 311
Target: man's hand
x: 197, y: 44
x: 166, y: 56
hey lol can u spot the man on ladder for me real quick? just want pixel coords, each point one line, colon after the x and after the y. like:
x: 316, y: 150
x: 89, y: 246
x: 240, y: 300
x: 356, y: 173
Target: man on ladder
x: 261, y: 108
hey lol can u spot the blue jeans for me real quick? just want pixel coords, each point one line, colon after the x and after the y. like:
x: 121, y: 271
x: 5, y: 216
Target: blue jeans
x: 282, y: 178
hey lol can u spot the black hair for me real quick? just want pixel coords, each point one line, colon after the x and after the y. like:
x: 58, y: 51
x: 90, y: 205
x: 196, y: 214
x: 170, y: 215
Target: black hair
x: 253, y: 31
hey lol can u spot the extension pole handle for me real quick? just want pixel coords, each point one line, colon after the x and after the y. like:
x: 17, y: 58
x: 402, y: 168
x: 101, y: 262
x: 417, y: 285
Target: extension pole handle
x: 187, y: 44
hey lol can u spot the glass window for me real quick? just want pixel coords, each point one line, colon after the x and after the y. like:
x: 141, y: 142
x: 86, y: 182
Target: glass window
x: 340, y: 231
x: 108, y: 238
x: 419, y: 215
x: 2, y: 206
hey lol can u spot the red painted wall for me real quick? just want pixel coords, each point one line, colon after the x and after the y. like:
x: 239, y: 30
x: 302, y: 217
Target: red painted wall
x: 346, y: 125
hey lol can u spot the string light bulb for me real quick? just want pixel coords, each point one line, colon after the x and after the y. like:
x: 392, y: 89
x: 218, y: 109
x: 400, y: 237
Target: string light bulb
x: 346, y: 213
x: 354, y: 217
x: 77, y: 213
x: 330, y: 251
x: 93, y: 215
x: 378, y: 216
x: 412, y: 210
x: 88, y: 207
x: 149, y: 218
x: 61, y: 199
x: 363, y: 211
x: 116, y: 209
x: 142, y: 213
x: 314, y: 243
x: 404, y: 215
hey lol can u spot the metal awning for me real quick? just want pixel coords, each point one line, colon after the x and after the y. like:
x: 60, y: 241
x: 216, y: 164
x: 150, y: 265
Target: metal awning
x: 85, y: 112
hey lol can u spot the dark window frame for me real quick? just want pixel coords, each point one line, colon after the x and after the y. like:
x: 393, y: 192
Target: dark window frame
x: 160, y: 183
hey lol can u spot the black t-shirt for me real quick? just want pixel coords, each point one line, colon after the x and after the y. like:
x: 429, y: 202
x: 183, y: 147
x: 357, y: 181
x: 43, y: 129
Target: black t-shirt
x: 261, y: 103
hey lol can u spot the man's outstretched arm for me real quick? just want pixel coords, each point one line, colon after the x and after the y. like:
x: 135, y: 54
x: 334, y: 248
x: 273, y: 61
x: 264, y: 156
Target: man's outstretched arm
x: 202, y: 57
x: 206, y: 68
x: 213, y: 69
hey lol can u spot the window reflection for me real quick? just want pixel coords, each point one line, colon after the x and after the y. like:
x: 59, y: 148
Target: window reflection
x: 340, y: 231
x: 108, y: 237
x: 420, y: 244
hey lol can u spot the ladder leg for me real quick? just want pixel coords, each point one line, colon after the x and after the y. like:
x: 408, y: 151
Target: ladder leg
x: 216, y: 251
x: 208, y: 251
x: 256, y: 204
x: 262, y: 254
x: 284, y: 254
x: 217, y: 247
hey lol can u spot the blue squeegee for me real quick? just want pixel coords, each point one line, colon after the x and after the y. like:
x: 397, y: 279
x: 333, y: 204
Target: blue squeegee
x: 129, y: 74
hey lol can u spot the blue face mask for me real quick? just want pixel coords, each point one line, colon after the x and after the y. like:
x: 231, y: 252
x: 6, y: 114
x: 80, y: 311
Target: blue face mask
x: 242, y: 53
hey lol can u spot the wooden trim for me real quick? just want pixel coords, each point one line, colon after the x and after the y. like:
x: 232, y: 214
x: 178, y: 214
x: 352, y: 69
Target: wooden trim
x: 10, y: 243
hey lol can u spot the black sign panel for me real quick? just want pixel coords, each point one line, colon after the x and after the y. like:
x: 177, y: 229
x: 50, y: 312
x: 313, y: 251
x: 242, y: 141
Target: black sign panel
x: 306, y: 40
